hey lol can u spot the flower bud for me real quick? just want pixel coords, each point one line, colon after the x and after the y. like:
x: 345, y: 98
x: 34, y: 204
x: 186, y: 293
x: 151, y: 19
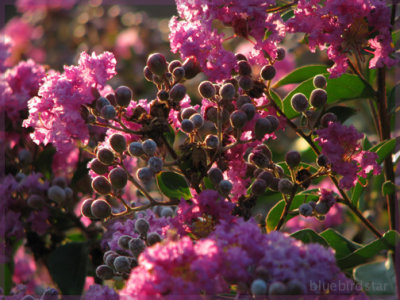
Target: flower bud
x: 258, y: 187
x: 104, y: 272
x: 35, y: 201
x: 207, y: 89
x: 118, y: 178
x: 118, y: 142
x: 295, y: 287
x: 123, y: 96
x: 268, y: 72
x: 155, y: 164
x: 246, y: 83
x: 163, y: 95
x: 136, y: 246
x: 166, y: 212
x: 285, y: 186
x: 86, y: 208
x: 188, y: 112
x: 153, y: 238
x: 123, y: 241
x: 177, y: 92
x: 258, y: 287
x: 212, y: 141
x: 192, y: 67
x: 145, y: 174
x: 227, y: 91
x: 101, y: 209
x: 293, y: 158
x: 240, y: 56
x: 319, y: 81
x: 249, y: 109
x: 238, y: 119
x: 149, y: 147
x: 174, y: 64
x: 244, y: 68
x: 97, y: 167
x: 267, y: 177
x: 56, y: 193
x: 215, y: 176
x: 225, y: 187
x: 322, y: 160
x: 322, y: 207
x: 280, y: 54
x: 277, y: 288
x: 327, y: 119
x: 101, y: 185
x: 187, y: 126
x: 101, y: 102
x: 318, y: 98
x: 148, y: 74
x: 157, y: 64
x: 108, y: 112
x: 142, y: 226
x: 105, y: 156
x: 299, y: 102
x: 25, y: 157
x: 274, y: 122
x: 197, y: 120
x: 305, y: 210
x: 122, y: 264
x: 179, y: 74
x: 136, y: 149
x: 211, y: 114
x: 262, y: 127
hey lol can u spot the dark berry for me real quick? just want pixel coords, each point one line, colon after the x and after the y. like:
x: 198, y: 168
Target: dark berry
x: 285, y: 186
x: 105, y: 156
x: 122, y: 264
x: 108, y: 112
x: 118, y: 142
x: 293, y: 158
x: 104, y: 272
x: 299, y: 102
x: 177, y: 92
x: 192, y: 67
x: 327, y: 119
x: 212, y: 141
x: 258, y: 187
x: 145, y: 174
x: 101, y: 102
x: 35, y: 201
x: 97, y: 167
x: 274, y: 122
x: 241, y: 100
x: 148, y: 74
x: 280, y: 54
x: 225, y: 187
x: 207, y: 89
x: 227, y: 91
x: 215, y: 176
x: 123, y: 241
x: 188, y: 112
x: 244, y: 68
x: 155, y: 164
x: 322, y: 160
x: 157, y: 64
x: 268, y: 72
x: 118, y: 178
x: 56, y: 193
x: 249, y: 109
x: 318, y: 98
x: 149, y: 147
x: 174, y: 64
x: 101, y: 209
x: 305, y: 210
x: 238, y: 119
x: 163, y: 95
x: 136, y: 149
x: 101, y: 185
x: 262, y: 127
x: 266, y: 176
x: 86, y: 208
x: 246, y: 83
x: 136, y: 246
x: 197, y: 120
x: 319, y: 81
x: 153, y: 238
x: 123, y: 96
x: 187, y: 126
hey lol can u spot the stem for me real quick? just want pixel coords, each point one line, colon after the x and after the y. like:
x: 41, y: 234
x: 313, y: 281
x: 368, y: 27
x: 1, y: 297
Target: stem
x: 138, y: 186
x: 287, y: 207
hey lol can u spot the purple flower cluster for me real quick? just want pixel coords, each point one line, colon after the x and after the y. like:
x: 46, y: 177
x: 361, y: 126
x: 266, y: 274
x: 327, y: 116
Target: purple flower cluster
x: 341, y: 145
x: 100, y: 292
x: 55, y: 113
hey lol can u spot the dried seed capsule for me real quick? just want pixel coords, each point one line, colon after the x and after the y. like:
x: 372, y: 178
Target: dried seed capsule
x: 212, y: 141
x: 118, y: 178
x: 104, y: 272
x: 118, y: 142
x: 238, y: 119
x: 299, y: 102
x: 225, y: 187
x: 207, y: 89
x: 97, y: 167
x: 174, y: 64
x: 305, y: 210
x: 285, y: 186
x: 108, y: 112
x: 293, y: 158
x: 327, y: 119
x: 86, y: 208
x: 105, y: 156
x: 268, y: 72
x: 101, y: 209
x: 145, y: 174
x: 258, y: 187
x: 101, y: 185
x: 215, y: 176
x: 136, y: 246
x: 56, y: 194
x: 123, y: 96
x: 136, y: 149
x: 244, y: 68
x: 318, y: 98
x: 188, y: 112
x: 227, y: 91
x: 122, y: 264
x: 197, y: 120
x: 123, y: 241
x: 319, y: 81
x: 157, y: 64
x: 149, y: 147
x: 155, y: 164
x: 187, y: 126
x: 177, y: 92
x: 153, y: 238
x: 249, y: 109
x: 166, y: 212
x: 101, y: 102
x: 246, y: 83
x: 262, y: 127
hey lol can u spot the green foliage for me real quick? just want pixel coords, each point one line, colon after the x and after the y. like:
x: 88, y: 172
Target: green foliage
x: 301, y: 74
x: 339, y: 243
x: 67, y: 266
x: 309, y: 236
x: 173, y: 185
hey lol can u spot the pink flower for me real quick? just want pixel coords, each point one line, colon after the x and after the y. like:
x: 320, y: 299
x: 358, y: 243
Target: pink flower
x: 127, y: 41
x: 55, y: 114
x: 5, y: 51
x: 42, y: 5
x: 341, y: 145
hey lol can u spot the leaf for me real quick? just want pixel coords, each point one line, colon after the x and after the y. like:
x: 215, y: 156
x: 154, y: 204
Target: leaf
x: 388, y: 242
x: 67, y: 266
x: 275, y: 212
x: 383, y: 149
x: 377, y: 278
x: 346, y: 87
x: 173, y: 185
x: 6, y: 271
x: 44, y: 161
x: 388, y: 188
x: 308, y: 236
x: 392, y: 98
x: 342, y: 112
x: 170, y: 135
x: 208, y: 184
x: 338, y: 242
x: 276, y: 99
x: 301, y: 74
x: 396, y: 36
x: 287, y: 15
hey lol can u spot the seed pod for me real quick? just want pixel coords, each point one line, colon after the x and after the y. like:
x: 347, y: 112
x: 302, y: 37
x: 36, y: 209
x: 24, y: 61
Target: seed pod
x: 225, y: 187
x: 174, y: 64
x: 86, y: 208
x: 244, y: 68
x: 177, y: 92
x: 142, y: 226
x: 188, y: 112
x: 258, y: 159
x: 327, y: 119
x: 118, y: 178
x: 155, y: 164
x: 258, y: 287
x: 56, y: 194
x: 285, y: 186
x: 238, y: 119
x: 153, y: 238
x: 145, y: 174
x: 207, y: 89
x: 305, y: 210
x: 322, y: 160
x: 240, y: 56
x: 101, y: 209
x: 148, y: 74
x: 319, y: 81
x: 280, y: 54
x: 258, y: 187
x: 179, y: 74
x: 227, y: 91
x: 274, y: 122
x: 262, y: 127
x: 268, y: 72
x: 192, y: 67
x: 187, y: 126
x: 322, y: 208
x: 157, y: 64
x: 293, y: 158
x: 149, y: 147
x: 299, y: 102
x: 267, y: 177
x: 249, y: 109
x: 212, y: 141
x: 246, y: 83
x: 105, y: 156
x: 211, y: 114
x: 104, y: 272
x: 318, y: 98
x: 136, y: 149
x: 97, y: 167
x: 136, y: 246
x: 241, y: 100
x: 101, y: 102
x: 163, y: 95
x: 215, y: 176
x: 108, y: 112
x: 123, y: 96
x: 197, y: 120
x: 123, y: 241
x: 264, y: 149
x: 122, y: 264
x: 274, y: 184
x: 118, y: 142
x: 35, y: 201
x: 166, y: 212
x: 101, y: 185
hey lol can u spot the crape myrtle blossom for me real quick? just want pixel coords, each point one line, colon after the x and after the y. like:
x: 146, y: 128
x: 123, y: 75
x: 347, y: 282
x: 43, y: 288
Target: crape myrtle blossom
x: 55, y: 113
x: 194, y: 35
x: 342, y: 27
x: 5, y: 51
x: 342, y: 146
x: 178, y: 267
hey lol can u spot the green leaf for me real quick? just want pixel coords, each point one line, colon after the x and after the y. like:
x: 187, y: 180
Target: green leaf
x: 377, y: 278
x: 275, y: 97
x: 6, y: 274
x: 383, y: 149
x: 173, y: 185
x: 208, y: 184
x: 388, y: 242
x: 169, y: 135
x: 342, y: 246
x: 396, y: 36
x: 287, y: 15
x: 301, y: 74
x: 388, y: 188
x: 44, y: 161
x: 392, y: 98
x: 342, y: 112
x: 275, y: 212
x: 346, y: 87
x: 308, y: 236
x: 67, y: 266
